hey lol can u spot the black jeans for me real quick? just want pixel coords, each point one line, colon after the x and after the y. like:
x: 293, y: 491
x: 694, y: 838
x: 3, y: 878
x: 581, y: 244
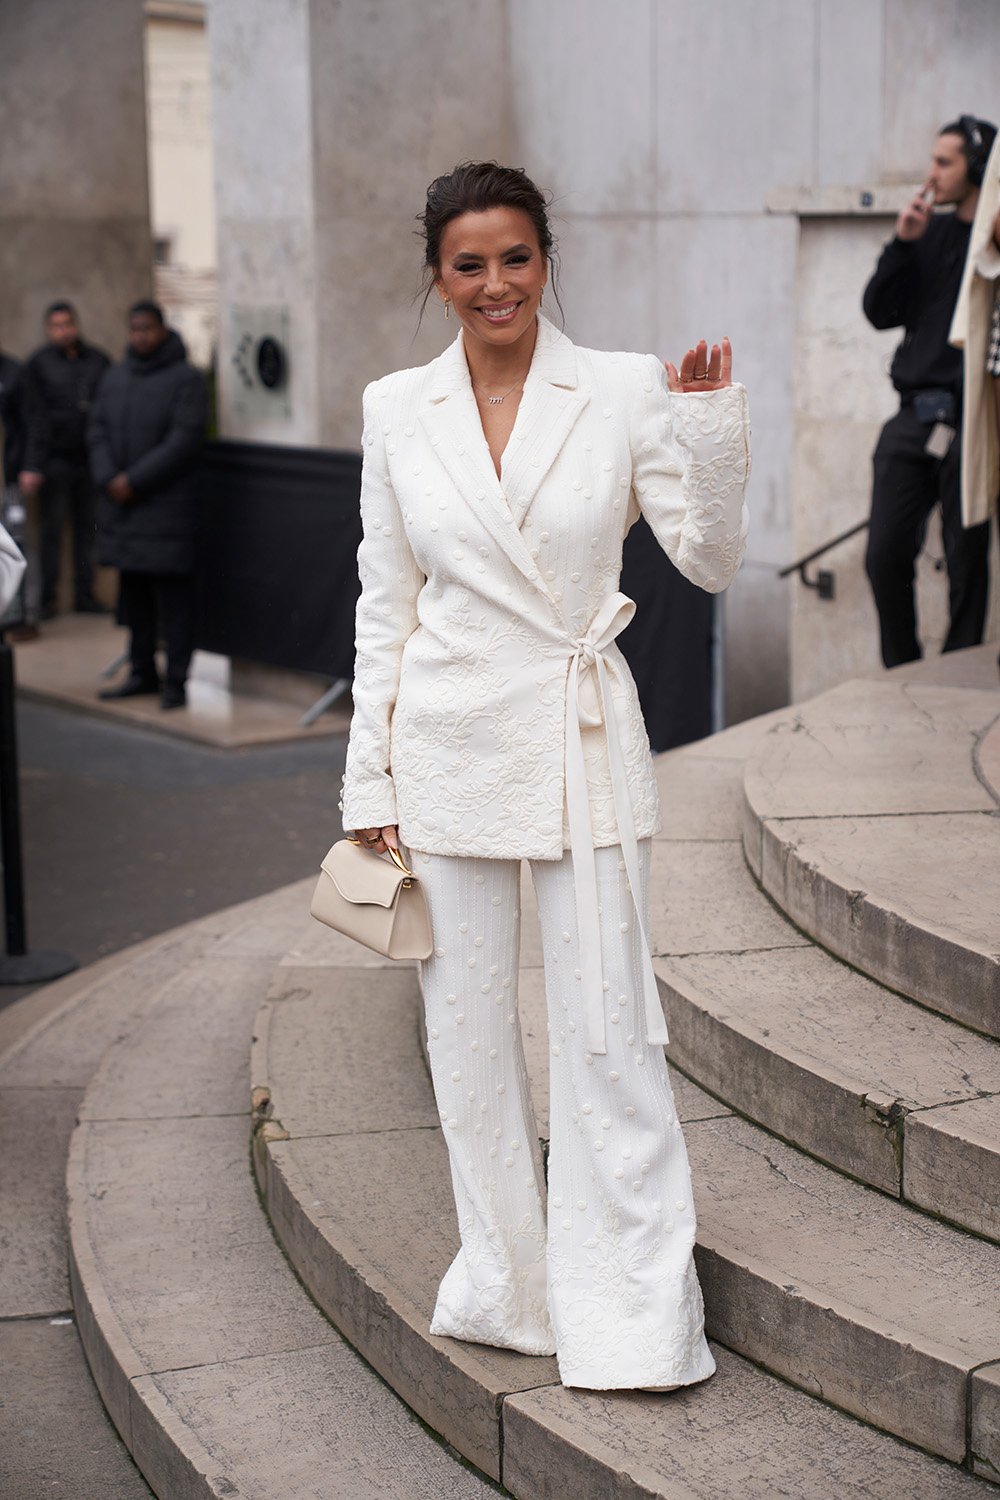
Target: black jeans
x: 68, y: 491
x: 908, y: 484
x: 159, y: 607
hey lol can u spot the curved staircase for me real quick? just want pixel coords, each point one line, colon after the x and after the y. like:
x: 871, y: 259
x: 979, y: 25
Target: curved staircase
x: 832, y: 991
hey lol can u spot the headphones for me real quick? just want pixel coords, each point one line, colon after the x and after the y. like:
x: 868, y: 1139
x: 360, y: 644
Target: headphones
x: 979, y: 136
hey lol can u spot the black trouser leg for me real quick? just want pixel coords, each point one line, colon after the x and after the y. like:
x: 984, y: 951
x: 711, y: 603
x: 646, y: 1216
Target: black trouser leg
x: 83, y: 500
x: 175, y: 610
x: 138, y: 611
x: 967, y: 553
x: 903, y: 493
x: 54, y: 504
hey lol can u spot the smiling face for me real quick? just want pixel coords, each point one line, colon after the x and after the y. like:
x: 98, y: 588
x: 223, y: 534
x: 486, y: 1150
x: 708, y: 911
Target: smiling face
x: 493, y: 273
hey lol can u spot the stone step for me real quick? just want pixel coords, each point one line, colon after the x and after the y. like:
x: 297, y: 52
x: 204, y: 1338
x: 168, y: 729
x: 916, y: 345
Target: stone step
x: 841, y: 1067
x: 223, y: 1376
x: 817, y: 1053
x: 216, y: 1368
x: 883, y: 1311
x: 872, y: 822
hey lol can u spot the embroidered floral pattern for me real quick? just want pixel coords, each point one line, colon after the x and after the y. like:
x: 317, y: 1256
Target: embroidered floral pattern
x: 474, y: 590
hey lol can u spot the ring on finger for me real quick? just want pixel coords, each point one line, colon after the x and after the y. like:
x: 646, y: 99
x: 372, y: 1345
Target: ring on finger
x: 370, y: 843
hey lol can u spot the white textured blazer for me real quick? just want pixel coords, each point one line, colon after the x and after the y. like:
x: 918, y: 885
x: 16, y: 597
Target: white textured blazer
x: 479, y: 595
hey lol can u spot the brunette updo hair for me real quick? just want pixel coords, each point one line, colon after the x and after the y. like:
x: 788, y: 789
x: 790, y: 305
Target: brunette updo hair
x: 473, y: 187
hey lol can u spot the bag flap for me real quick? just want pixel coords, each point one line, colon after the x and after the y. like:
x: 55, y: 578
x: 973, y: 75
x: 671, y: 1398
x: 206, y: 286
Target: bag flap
x: 361, y: 877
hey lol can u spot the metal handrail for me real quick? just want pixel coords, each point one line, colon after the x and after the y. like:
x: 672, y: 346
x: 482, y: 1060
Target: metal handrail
x: 824, y: 580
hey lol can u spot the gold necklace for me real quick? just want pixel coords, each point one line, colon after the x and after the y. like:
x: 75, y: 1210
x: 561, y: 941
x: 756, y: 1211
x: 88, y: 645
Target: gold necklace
x: 499, y: 400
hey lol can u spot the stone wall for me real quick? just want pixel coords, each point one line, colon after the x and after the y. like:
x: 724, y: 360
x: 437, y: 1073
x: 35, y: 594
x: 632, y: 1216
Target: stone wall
x: 74, y: 213
x: 707, y: 163
x: 689, y: 148
x: 330, y: 121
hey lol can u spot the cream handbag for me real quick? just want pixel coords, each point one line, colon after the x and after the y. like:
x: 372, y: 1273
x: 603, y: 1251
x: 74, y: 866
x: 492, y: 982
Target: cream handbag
x: 376, y: 901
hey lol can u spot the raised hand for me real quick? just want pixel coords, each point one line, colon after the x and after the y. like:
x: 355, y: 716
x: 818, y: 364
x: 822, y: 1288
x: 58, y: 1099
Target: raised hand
x: 700, y: 371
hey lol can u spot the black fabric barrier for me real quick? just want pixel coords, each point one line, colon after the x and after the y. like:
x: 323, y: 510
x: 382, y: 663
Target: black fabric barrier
x: 668, y: 645
x: 278, y: 582
x: 278, y: 576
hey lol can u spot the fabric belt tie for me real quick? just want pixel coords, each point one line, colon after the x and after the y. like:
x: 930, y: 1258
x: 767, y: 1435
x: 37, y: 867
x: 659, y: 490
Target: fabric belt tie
x: 587, y: 707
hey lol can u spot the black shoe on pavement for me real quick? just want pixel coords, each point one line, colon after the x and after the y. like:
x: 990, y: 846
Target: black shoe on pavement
x: 133, y: 687
x: 174, y: 695
x: 90, y: 606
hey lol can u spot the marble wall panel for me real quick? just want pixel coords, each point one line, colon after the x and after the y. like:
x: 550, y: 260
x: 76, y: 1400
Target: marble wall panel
x: 940, y: 62
x: 401, y: 93
x: 262, y: 108
x: 736, y: 275
x: 735, y: 103
x: 74, y: 203
x: 849, y: 92
x: 755, y: 623
x: 262, y: 112
x: 367, y: 313
x: 608, y: 284
x: 842, y: 364
x: 74, y: 124
x: 583, y: 78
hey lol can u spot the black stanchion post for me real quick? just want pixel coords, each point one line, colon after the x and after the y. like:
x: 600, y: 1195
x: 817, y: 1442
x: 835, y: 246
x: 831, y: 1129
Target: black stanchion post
x: 19, y: 966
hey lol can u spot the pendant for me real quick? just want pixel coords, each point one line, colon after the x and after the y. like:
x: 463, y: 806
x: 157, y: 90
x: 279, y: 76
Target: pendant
x: 495, y: 400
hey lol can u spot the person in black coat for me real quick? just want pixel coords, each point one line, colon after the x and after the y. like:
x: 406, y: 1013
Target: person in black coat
x: 61, y: 379
x: 14, y: 420
x: 146, y: 433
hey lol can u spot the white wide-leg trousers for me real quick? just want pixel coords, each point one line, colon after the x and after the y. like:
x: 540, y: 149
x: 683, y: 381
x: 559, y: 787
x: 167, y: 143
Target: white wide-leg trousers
x: 606, y: 1278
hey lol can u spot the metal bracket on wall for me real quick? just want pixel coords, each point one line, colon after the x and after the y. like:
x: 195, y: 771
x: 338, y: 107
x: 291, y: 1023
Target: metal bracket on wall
x: 825, y: 581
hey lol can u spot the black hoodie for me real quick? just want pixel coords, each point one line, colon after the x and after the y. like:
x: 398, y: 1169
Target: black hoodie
x: 149, y: 422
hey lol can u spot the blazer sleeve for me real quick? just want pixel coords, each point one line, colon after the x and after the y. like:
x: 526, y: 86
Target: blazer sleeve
x: 386, y: 618
x: 690, y: 466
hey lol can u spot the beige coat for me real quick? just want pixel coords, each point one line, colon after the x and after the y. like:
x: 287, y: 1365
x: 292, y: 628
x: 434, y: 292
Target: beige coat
x: 970, y: 331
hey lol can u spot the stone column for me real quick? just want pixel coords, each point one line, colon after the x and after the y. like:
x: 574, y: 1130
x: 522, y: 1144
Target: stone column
x: 329, y: 121
x: 74, y: 211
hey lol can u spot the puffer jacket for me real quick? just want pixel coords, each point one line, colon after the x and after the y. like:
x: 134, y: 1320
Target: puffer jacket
x: 149, y: 421
x: 60, y: 390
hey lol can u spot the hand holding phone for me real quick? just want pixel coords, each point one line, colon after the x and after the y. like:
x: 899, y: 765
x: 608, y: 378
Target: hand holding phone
x: 916, y: 215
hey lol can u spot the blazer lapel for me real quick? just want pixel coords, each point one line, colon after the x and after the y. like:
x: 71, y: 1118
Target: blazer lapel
x: 450, y: 418
x: 550, y: 406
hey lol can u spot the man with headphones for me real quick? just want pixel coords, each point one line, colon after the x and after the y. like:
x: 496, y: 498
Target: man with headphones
x: 916, y: 462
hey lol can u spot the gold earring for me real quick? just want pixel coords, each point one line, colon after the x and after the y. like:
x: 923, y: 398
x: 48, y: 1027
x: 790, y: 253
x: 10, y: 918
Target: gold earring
x: 447, y: 308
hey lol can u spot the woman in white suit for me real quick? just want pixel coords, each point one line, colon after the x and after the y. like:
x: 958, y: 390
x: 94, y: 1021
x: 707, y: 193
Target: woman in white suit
x: 496, y: 720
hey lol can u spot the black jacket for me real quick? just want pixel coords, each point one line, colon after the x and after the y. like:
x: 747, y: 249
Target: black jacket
x: 60, y: 393
x: 13, y: 415
x: 149, y: 421
x: 916, y: 284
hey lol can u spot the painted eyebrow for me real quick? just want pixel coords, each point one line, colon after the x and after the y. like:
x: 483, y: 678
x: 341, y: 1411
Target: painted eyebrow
x: 471, y: 254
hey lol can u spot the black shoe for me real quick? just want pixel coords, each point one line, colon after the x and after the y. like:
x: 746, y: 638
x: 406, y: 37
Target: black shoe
x: 174, y: 695
x: 90, y: 606
x: 133, y: 687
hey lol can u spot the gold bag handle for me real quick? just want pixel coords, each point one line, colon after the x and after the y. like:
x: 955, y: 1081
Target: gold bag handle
x: 393, y: 854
